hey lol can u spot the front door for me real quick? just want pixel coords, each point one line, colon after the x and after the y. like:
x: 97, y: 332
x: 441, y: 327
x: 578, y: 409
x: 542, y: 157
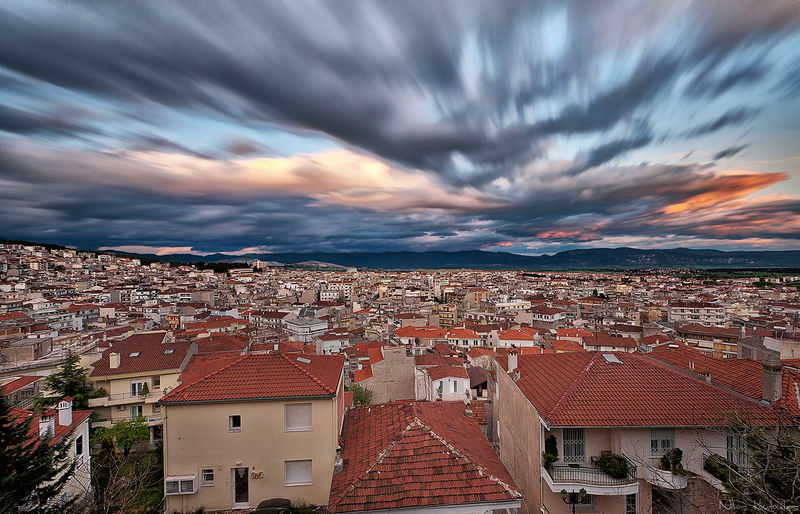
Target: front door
x: 240, y: 486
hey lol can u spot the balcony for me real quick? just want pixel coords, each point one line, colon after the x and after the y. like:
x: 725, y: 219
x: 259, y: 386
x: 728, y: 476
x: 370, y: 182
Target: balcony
x: 587, y: 476
x: 154, y: 419
x: 665, y: 479
x: 125, y: 399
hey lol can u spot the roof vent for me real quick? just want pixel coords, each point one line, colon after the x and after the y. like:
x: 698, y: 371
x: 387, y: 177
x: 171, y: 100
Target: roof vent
x: 303, y: 360
x: 611, y: 358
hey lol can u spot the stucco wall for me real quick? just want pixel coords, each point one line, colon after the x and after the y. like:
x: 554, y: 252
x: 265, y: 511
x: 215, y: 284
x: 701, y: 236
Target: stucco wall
x: 520, y: 436
x: 197, y: 436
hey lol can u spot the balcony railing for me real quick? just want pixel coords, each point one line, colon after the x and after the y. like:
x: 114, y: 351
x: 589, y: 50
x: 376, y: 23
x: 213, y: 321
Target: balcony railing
x: 587, y: 474
x: 154, y: 418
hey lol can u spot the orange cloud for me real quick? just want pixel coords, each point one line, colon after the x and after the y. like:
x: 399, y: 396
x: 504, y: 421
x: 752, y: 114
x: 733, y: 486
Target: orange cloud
x: 728, y: 186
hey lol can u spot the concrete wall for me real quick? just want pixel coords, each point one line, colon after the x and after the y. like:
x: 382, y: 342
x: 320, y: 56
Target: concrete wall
x: 197, y: 437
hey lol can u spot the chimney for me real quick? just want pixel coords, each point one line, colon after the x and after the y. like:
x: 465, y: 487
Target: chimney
x: 691, y: 365
x: 113, y: 360
x: 468, y: 411
x: 47, y: 423
x: 512, y: 360
x: 772, y: 381
x: 65, y: 412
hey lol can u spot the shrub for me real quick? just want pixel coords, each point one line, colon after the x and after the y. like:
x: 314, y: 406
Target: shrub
x: 671, y: 461
x: 550, y: 454
x: 719, y: 467
x: 614, y: 465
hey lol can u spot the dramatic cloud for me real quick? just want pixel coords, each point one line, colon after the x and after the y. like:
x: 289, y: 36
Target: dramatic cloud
x: 402, y: 125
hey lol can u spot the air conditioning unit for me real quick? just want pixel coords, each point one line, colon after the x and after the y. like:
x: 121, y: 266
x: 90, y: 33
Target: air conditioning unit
x: 180, y: 485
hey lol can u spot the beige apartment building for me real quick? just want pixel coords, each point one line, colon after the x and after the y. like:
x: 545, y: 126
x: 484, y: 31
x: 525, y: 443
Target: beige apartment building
x: 243, y: 429
x: 624, y: 404
x: 135, y: 373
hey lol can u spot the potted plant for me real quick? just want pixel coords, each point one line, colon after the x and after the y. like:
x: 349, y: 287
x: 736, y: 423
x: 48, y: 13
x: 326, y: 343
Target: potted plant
x: 550, y: 453
x: 614, y: 465
x: 671, y: 461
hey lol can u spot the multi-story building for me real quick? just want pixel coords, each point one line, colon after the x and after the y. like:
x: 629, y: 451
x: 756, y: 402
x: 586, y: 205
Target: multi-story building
x: 702, y: 313
x: 247, y: 428
x: 135, y: 373
x: 587, y: 405
x: 59, y: 423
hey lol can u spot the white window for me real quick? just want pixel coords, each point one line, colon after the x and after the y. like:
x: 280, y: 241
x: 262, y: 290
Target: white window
x: 662, y: 440
x: 208, y: 477
x: 298, y: 472
x: 235, y: 423
x: 297, y: 417
x: 574, y: 445
x: 136, y: 411
x: 737, y: 450
x: 79, y: 445
x: 136, y: 387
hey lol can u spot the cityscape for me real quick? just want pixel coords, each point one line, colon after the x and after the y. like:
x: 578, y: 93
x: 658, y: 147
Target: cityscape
x: 453, y: 257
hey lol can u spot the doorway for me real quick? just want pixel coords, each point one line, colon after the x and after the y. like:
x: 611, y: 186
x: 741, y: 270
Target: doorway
x: 240, y: 487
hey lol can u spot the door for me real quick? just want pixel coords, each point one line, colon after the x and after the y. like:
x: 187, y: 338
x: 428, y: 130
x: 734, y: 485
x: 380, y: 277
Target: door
x: 240, y: 487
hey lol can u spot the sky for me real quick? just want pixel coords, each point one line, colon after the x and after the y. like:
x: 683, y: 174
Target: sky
x: 346, y: 126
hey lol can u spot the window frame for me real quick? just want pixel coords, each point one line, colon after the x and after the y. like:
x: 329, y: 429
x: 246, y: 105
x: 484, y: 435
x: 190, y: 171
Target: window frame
x: 659, y: 436
x: 304, y: 428
x: 136, y: 387
x: 79, y: 443
x: 231, y: 427
x: 203, y: 481
x: 156, y: 381
x: 736, y: 450
x: 286, y: 482
x: 576, y: 441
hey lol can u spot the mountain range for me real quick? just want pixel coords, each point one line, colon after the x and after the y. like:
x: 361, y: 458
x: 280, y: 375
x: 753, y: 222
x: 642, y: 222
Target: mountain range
x: 595, y: 258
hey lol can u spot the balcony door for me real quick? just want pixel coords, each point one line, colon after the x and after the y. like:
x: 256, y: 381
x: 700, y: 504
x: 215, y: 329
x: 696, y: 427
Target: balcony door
x: 574, y: 445
x: 241, y: 495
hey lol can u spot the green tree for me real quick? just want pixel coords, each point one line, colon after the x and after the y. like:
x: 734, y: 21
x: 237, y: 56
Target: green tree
x: 33, y: 472
x: 766, y: 474
x: 70, y: 380
x: 127, y: 431
x: 361, y: 395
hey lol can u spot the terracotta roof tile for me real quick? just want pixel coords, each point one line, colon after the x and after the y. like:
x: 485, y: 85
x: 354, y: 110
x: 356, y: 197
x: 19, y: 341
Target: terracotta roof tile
x: 403, y: 455
x: 142, y: 352
x: 264, y: 376
x: 583, y: 389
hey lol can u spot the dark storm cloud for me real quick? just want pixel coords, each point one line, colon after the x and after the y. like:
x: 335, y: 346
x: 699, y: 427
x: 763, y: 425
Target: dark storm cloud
x: 472, y: 94
x: 352, y: 77
x: 25, y: 122
x: 730, y: 151
x: 731, y: 118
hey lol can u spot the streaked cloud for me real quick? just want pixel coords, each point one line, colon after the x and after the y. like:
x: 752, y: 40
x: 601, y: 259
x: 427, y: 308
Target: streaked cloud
x: 312, y: 125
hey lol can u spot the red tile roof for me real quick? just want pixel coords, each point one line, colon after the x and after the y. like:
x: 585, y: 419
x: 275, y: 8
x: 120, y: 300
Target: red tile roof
x: 264, y: 376
x: 78, y: 417
x: 221, y: 343
x: 741, y: 375
x: 583, y: 389
x: 565, y: 345
x: 515, y: 335
x: 16, y: 385
x: 440, y: 372
x: 412, y: 455
x: 152, y: 355
x: 607, y: 340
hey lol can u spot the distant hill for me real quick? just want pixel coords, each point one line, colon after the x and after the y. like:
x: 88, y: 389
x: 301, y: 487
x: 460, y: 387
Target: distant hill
x: 595, y: 258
